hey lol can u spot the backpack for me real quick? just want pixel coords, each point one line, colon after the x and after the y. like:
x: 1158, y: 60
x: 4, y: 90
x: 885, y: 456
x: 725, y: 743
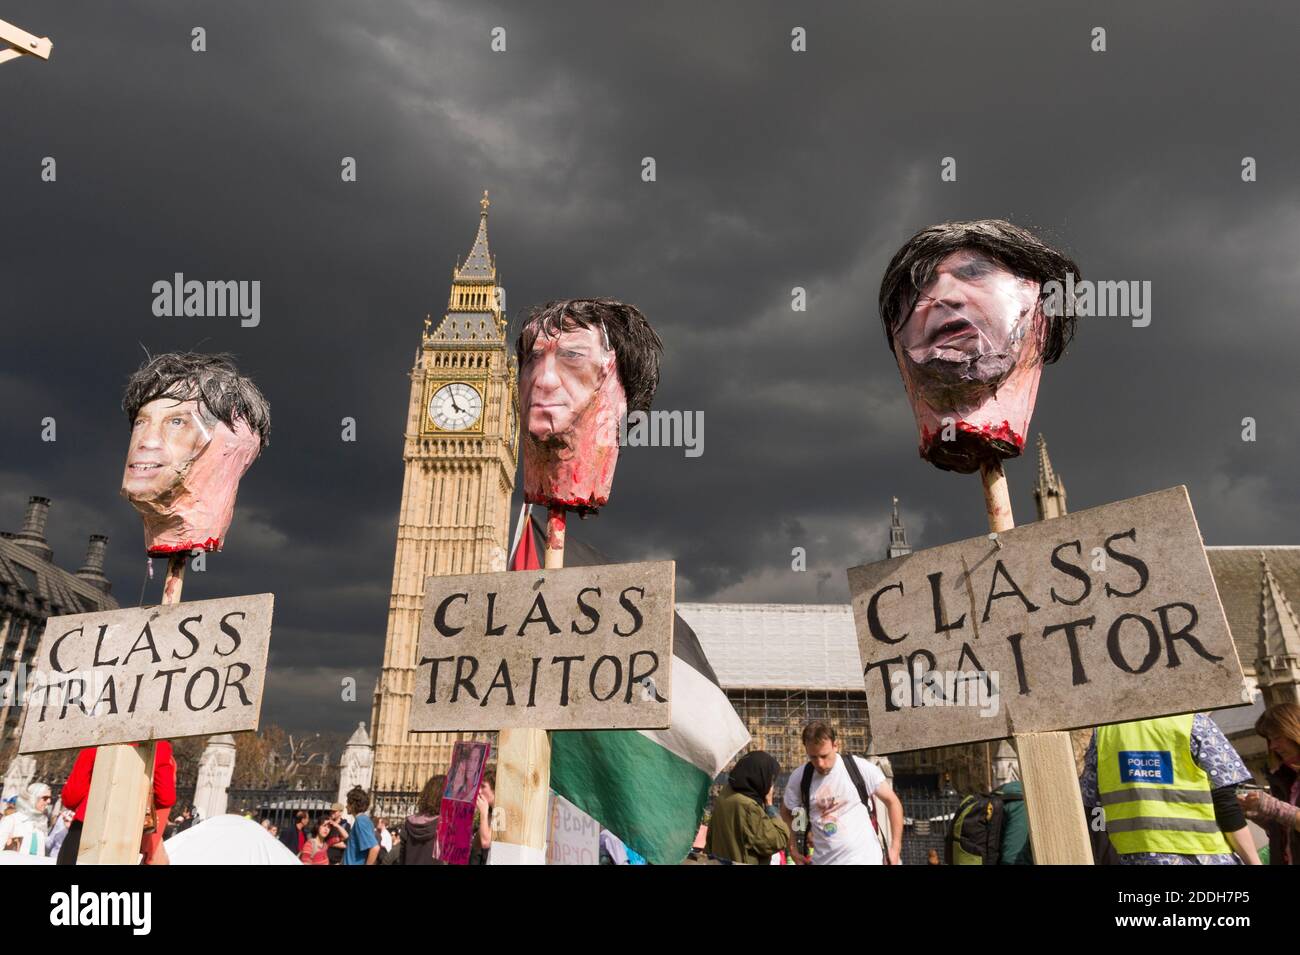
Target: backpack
x: 975, y: 835
x: 805, y: 787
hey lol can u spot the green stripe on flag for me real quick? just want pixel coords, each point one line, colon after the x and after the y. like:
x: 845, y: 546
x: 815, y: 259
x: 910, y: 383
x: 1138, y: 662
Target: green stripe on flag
x: 650, y: 798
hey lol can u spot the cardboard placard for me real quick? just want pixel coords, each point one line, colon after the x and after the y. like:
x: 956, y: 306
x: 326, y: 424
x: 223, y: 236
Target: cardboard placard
x: 576, y: 648
x: 456, y: 811
x: 574, y: 837
x: 1101, y: 616
x: 126, y: 676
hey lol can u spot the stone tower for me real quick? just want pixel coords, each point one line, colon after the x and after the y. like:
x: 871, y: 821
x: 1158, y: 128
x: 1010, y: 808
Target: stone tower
x: 1049, y: 490
x: 898, y: 545
x: 460, y: 453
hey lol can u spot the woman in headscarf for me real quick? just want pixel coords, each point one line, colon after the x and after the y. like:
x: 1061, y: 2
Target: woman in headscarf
x: 745, y: 828
x: 24, y: 830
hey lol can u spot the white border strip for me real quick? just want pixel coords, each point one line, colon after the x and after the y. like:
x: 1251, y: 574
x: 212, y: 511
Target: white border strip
x: 706, y: 731
x: 507, y: 853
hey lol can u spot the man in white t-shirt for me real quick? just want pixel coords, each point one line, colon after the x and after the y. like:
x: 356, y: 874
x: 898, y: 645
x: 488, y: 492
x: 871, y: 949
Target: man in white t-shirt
x: 839, y: 824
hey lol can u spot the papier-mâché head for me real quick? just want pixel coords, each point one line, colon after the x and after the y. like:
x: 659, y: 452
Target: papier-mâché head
x: 583, y: 365
x: 964, y: 314
x: 196, y: 426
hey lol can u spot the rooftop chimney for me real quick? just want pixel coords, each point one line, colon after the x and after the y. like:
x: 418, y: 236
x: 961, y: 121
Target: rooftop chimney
x: 92, y: 571
x: 32, y: 536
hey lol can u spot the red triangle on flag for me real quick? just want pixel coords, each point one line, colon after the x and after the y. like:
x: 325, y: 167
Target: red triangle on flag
x: 526, y: 556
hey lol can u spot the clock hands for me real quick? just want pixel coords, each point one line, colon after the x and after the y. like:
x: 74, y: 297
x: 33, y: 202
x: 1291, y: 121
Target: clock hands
x: 468, y: 413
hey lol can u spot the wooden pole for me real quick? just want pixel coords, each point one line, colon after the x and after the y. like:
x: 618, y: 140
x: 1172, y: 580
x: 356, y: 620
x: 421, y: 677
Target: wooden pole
x: 121, y: 786
x: 997, y: 499
x: 1058, y: 827
x: 555, y: 526
x: 524, y: 761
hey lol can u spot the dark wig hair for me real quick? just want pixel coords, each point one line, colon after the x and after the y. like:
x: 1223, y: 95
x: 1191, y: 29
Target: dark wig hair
x: 212, y: 379
x: 637, y: 348
x: 1016, y: 249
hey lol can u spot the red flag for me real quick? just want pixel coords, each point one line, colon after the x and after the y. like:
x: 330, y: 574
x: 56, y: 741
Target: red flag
x: 526, y: 556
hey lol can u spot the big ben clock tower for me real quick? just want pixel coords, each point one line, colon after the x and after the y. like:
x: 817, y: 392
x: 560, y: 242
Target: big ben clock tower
x: 460, y: 454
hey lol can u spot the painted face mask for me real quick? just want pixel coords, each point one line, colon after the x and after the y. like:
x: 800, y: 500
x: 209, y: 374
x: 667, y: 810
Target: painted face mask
x: 970, y: 359
x: 182, y: 473
x: 571, y: 400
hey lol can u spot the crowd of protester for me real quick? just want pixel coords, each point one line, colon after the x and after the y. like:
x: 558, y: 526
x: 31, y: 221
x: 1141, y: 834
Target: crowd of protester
x: 1187, y: 802
x: 835, y: 809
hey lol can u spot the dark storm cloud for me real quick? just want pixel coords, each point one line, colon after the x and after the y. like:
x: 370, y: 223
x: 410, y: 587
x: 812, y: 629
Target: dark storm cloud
x: 775, y: 170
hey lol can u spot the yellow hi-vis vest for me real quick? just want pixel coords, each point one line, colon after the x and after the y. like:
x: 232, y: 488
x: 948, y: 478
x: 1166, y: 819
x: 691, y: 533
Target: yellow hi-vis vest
x: 1155, y: 797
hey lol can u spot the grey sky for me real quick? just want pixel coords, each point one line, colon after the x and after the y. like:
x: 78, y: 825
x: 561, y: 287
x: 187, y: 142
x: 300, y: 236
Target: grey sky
x: 775, y: 169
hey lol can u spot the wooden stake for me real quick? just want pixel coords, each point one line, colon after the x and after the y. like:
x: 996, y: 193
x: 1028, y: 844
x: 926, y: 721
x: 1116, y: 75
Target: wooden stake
x: 523, y: 791
x: 524, y: 761
x: 555, y: 526
x: 1058, y: 827
x: 119, y: 795
x: 121, y: 785
x: 175, y: 579
x: 997, y: 498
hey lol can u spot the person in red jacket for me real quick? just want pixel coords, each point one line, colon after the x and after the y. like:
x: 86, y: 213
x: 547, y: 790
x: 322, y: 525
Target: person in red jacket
x: 77, y: 789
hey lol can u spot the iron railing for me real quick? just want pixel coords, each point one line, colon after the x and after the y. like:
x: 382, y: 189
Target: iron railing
x: 927, y: 815
x: 395, y: 804
x: 279, y: 804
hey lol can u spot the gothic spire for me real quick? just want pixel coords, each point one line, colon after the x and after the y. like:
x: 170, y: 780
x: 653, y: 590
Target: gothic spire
x: 1279, y: 630
x: 479, y: 265
x: 1049, y: 490
x: 898, y: 545
x: 475, y: 305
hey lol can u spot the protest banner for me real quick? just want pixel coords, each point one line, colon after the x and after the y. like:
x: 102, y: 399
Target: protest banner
x: 964, y: 316
x: 456, y: 812
x: 196, y: 425
x: 1104, y: 615
x: 146, y: 673
x: 574, y: 837
x: 583, y: 648
x: 583, y: 363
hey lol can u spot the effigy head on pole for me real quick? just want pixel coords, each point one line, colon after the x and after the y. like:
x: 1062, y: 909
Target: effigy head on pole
x: 196, y: 426
x: 583, y: 365
x: 972, y: 311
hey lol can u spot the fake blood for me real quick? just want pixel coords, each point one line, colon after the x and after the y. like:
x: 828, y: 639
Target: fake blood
x: 1002, y: 432
x: 166, y: 550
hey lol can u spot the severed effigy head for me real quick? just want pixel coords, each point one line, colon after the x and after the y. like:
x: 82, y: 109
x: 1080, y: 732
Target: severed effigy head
x: 196, y: 426
x: 583, y: 365
x: 970, y: 326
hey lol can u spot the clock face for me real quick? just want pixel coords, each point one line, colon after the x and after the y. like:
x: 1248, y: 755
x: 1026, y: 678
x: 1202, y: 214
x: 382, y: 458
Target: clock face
x: 456, y: 406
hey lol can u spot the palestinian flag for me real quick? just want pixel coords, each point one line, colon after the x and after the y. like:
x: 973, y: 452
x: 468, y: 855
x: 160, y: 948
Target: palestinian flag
x: 648, y: 787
